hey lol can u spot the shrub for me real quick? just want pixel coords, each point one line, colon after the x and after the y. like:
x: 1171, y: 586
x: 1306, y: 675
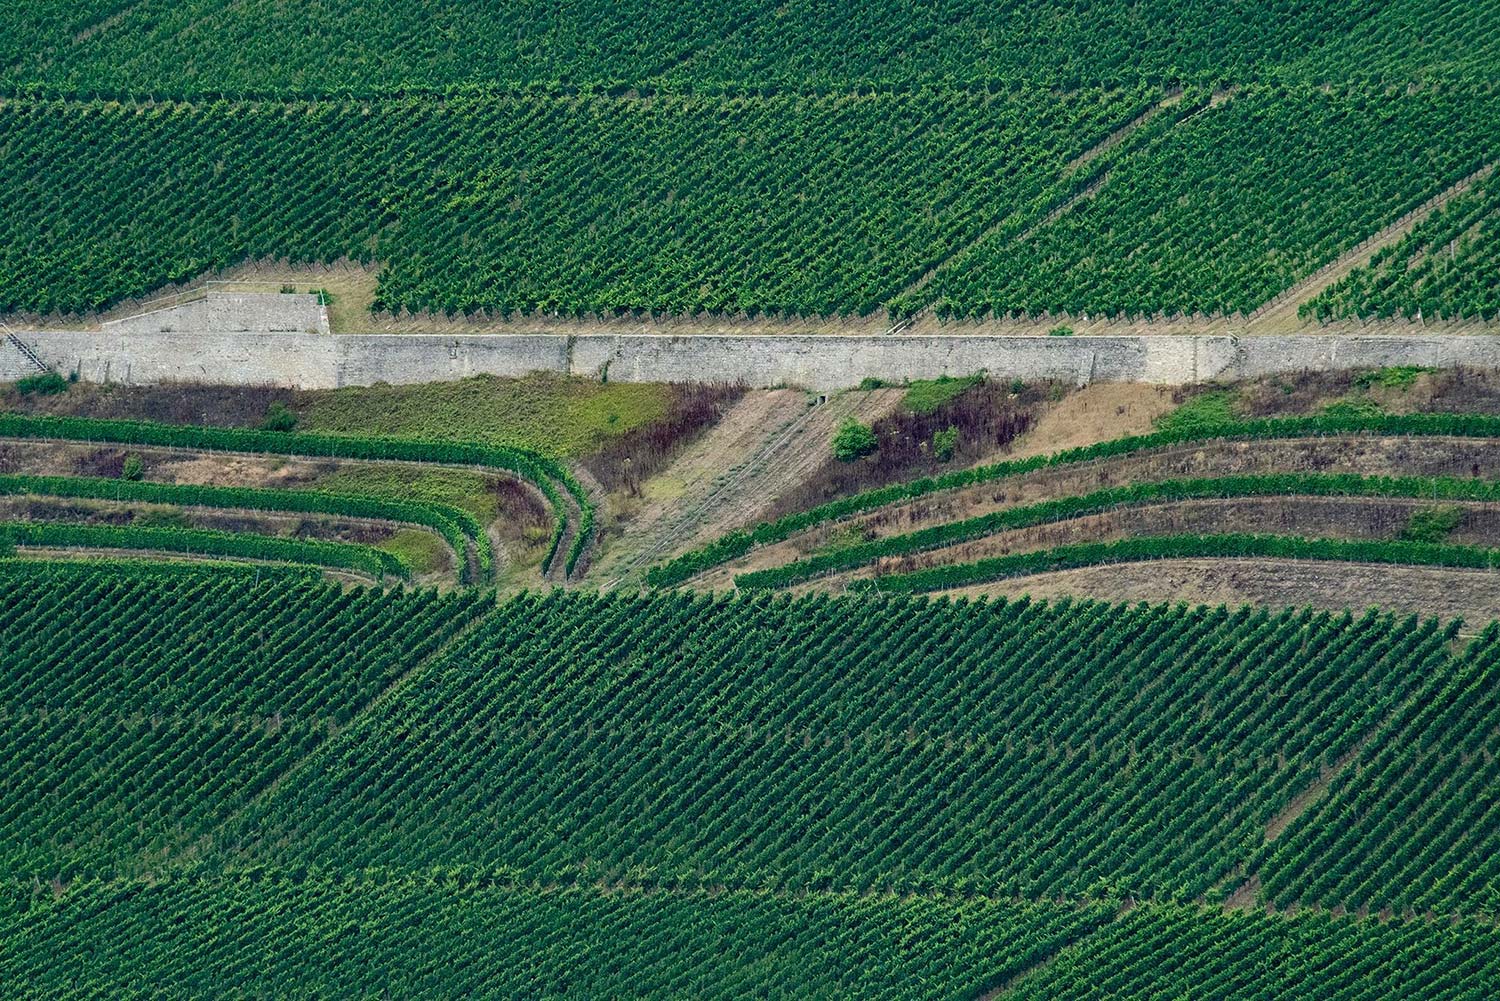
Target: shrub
x: 279, y: 418
x: 43, y: 384
x: 853, y: 441
x: 134, y: 468
x: 1061, y: 330
x: 1432, y: 524
x: 944, y: 444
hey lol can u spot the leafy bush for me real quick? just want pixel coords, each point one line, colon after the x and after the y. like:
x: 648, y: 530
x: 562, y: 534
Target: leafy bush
x: 279, y: 418
x: 134, y: 467
x: 1432, y: 524
x: 42, y: 384
x: 944, y: 444
x: 854, y: 440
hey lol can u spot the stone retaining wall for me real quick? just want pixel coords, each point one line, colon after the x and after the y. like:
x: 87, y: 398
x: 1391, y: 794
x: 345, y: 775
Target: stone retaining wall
x: 311, y: 360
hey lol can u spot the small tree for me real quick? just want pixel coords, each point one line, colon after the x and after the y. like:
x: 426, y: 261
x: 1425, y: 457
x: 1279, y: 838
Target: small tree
x: 853, y: 441
x: 133, y: 469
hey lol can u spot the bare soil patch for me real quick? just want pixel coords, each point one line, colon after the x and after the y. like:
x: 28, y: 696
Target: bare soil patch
x: 766, y: 445
x: 1471, y: 595
x: 1098, y: 412
x: 1366, y: 456
x: 1315, y: 517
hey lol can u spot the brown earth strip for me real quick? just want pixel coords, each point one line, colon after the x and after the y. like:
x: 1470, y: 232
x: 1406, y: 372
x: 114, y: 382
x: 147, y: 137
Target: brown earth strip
x: 1471, y: 595
x: 1359, y: 455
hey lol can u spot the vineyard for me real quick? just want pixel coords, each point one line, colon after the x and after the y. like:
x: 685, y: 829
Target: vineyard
x: 1443, y: 269
x: 985, y: 687
x: 870, y: 512
x: 712, y: 797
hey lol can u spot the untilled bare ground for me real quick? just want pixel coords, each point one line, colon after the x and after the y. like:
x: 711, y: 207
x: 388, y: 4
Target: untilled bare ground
x: 1097, y: 412
x: 1361, y: 455
x: 766, y: 444
x: 1472, y: 595
x: 1313, y: 517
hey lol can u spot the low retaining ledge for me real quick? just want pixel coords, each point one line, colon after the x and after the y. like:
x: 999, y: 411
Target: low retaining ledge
x: 822, y: 363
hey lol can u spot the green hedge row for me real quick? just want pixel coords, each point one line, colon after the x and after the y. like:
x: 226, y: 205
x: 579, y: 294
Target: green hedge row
x: 736, y: 544
x: 1281, y: 484
x: 457, y: 527
x: 135, y: 568
x: 341, y: 555
x: 1182, y: 546
x: 539, y: 470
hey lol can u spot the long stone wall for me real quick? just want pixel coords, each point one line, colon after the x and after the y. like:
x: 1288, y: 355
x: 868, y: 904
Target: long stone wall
x: 313, y: 360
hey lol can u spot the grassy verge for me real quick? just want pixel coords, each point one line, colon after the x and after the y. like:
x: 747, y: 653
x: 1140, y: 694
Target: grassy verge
x: 547, y: 414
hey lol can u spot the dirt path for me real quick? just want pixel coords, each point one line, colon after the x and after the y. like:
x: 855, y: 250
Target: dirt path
x: 1472, y: 595
x: 767, y: 443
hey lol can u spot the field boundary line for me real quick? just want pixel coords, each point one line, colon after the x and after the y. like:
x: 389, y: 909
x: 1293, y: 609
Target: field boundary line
x: 1013, y: 981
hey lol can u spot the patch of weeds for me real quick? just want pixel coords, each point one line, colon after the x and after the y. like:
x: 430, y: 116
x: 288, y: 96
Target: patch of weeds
x: 1394, y: 377
x: 1354, y: 407
x: 423, y: 551
x: 1061, y: 330
x: 925, y: 395
x: 1432, y: 524
x: 845, y: 536
x: 163, y: 517
x: 869, y: 382
x: 1202, y: 411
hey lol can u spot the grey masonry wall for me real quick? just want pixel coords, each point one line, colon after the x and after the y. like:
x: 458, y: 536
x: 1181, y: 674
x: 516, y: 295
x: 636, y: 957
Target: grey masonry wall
x: 320, y: 360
